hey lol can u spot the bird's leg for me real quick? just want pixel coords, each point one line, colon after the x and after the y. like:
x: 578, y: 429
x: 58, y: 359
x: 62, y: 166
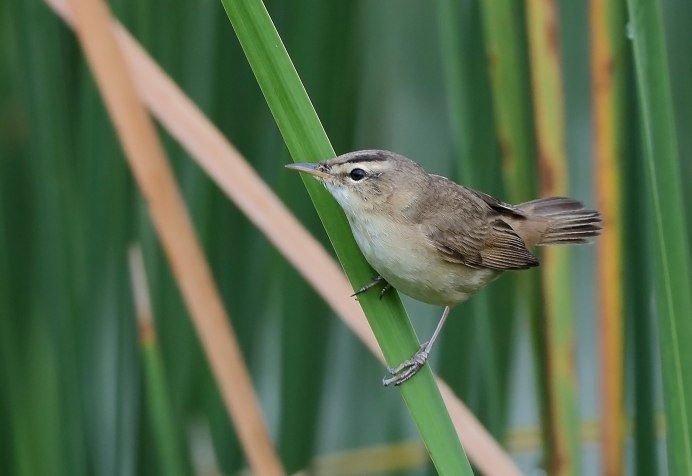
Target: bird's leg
x: 378, y: 279
x: 410, y: 367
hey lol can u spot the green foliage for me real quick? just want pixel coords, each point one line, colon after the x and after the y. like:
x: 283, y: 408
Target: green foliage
x: 673, y: 280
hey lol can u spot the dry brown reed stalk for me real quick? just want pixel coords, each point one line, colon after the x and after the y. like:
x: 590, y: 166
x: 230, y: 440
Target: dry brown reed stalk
x: 92, y: 23
x: 229, y: 170
x: 606, y: 65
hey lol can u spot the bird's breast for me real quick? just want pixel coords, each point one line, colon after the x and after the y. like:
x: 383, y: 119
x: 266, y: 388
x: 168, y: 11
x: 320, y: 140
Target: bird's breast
x: 403, y: 256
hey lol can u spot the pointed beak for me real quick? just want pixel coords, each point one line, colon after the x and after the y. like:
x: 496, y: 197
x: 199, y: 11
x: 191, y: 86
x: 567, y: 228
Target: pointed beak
x: 311, y: 168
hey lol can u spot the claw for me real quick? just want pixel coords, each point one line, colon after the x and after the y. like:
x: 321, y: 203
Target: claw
x: 410, y: 367
x: 407, y: 368
x: 386, y: 288
x: 372, y: 284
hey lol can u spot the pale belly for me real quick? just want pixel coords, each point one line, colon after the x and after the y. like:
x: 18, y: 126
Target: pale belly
x: 413, y: 267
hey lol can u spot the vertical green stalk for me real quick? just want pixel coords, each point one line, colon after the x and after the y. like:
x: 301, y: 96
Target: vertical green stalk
x: 639, y: 283
x: 48, y: 412
x: 307, y: 141
x: 473, y: 135
x: 670, y: 241
x: 167, y: 433
x: 506, y: 53
x: 509, y: 72
x: 458, y: 84
x: 638, y: 274
x: 555, y: 265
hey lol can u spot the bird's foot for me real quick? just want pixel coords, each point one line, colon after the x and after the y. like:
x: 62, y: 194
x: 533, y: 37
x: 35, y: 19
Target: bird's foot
x: 385, y: 289
x: 372, y: 284
x: 408, y: 368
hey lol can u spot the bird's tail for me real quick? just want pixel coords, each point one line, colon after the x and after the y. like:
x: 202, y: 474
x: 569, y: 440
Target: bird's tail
x: 566, y: 220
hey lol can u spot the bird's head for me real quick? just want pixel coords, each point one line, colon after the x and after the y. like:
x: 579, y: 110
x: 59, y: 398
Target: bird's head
x: 369, y: 180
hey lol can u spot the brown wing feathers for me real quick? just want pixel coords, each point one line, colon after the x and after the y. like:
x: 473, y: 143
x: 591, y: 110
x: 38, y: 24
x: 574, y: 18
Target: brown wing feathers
x: 479, y: 237
x: 506, y: 250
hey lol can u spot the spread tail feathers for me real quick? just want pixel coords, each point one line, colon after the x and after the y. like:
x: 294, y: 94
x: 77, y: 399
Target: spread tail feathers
x: 567, y: 221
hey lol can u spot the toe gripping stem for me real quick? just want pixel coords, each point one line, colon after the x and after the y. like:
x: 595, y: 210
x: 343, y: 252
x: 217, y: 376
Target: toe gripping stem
x: 408, y: 368
x: 378, y: 279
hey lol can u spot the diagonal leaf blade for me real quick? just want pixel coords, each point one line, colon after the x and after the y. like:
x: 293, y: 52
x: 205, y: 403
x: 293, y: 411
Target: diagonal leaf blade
x: 307, y: 142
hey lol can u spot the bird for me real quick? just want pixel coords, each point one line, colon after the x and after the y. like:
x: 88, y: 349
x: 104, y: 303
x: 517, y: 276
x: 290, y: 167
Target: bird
x: 437, y: 241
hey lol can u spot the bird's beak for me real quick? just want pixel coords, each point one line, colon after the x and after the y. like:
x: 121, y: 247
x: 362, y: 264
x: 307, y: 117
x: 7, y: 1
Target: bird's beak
x: 312, y: 168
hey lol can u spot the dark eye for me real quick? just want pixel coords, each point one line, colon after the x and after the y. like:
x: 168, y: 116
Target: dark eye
x: 357, y: 174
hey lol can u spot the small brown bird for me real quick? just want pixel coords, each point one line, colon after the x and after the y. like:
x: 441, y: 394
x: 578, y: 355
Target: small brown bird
x: 435, y: 240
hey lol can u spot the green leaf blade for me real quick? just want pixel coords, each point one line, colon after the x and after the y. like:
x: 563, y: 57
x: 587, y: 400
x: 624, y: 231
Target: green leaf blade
x: 307, y: 142
x: 671, y: 264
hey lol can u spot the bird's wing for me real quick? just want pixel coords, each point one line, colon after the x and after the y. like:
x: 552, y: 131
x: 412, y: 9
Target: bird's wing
x: 504, y: 249
x: 499, y: 206
x: 479, y: 238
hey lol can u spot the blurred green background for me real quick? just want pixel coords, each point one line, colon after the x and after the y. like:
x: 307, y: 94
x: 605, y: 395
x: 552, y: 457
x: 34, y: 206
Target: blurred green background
x: 73, y: 396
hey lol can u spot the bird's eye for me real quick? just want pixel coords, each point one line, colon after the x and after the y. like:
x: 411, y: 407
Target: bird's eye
x: 357, y: 174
